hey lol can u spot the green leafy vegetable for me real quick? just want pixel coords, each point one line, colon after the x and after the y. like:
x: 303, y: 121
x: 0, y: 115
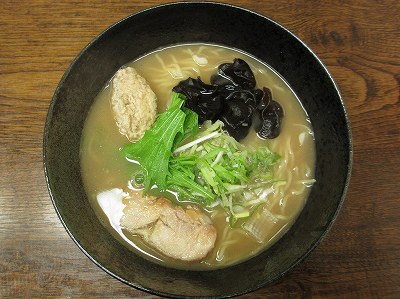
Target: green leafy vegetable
x: 208, y: 166
x: 153, y: 150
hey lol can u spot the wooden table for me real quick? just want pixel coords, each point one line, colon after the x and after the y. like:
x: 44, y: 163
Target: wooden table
x: 359, y: 41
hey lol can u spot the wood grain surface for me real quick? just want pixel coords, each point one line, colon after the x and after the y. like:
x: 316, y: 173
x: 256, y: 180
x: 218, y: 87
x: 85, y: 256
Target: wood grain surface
x: 359, y: 41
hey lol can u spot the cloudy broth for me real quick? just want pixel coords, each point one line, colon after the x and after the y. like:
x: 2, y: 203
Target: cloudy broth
x: 103, y: 167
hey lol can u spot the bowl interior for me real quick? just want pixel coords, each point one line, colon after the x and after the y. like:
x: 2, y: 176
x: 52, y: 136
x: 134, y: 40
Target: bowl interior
x: 184, y: 23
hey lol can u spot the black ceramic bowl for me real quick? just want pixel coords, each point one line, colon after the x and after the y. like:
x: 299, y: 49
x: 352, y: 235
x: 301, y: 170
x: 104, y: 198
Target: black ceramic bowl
x: 184, y: 23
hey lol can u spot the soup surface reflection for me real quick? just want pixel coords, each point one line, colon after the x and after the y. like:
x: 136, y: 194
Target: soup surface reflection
x: 104, y: 168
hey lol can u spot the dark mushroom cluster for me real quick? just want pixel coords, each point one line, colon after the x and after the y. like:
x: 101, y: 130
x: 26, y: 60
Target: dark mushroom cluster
x: 233, y: 98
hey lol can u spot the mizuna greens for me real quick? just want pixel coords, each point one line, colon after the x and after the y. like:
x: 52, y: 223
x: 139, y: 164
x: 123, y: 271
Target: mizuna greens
x: 153, y: 150
x: 206, y: 166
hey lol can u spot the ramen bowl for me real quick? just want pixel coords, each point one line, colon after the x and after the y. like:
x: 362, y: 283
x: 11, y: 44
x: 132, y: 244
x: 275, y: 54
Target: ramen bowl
x: 179, y: 23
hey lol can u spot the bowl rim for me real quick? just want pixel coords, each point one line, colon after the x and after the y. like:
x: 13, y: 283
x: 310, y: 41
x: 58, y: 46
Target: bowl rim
x: 194, y: 3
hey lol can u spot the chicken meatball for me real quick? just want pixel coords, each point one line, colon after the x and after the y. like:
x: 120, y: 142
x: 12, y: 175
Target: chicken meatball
x: 133, y: 102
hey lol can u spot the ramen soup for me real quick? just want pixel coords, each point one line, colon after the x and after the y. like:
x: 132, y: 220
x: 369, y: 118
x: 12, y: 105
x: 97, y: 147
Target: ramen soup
x: 278, y: 204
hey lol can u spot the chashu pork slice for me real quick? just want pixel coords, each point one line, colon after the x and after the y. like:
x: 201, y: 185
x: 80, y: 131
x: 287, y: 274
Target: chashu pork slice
x: 133, y: 102
x: 184, y: 234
